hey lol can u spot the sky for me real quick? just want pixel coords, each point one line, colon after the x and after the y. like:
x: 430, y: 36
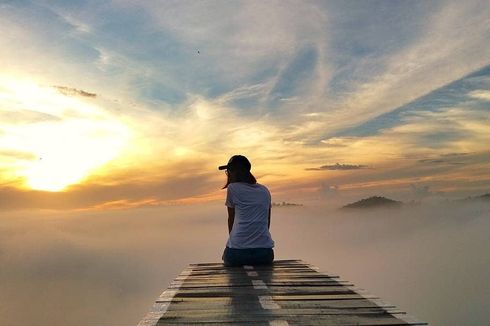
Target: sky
x: 124, y: 104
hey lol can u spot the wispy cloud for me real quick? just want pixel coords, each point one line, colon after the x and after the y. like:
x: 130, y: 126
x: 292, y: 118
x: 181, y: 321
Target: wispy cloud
x: 14, y: 154
x: 418, y: 65
x: 338, y: 166
x: 70, y: 91
x: 480, y: 94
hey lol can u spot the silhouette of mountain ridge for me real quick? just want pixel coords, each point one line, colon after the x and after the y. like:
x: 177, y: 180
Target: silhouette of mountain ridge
x: 374, y: 202
x: 485, y: 197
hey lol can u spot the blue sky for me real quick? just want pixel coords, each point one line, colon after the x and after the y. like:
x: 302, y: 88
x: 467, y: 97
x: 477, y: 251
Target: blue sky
x: 182, y: 85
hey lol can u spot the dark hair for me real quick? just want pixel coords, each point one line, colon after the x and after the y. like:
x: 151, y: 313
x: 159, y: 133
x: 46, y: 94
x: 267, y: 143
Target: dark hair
x: 239, y: 175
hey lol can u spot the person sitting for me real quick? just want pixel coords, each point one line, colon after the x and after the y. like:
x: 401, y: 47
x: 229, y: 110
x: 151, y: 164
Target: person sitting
x: 249, y: 216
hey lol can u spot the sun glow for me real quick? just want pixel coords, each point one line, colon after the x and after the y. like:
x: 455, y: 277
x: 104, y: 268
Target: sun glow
x: 63, y: 138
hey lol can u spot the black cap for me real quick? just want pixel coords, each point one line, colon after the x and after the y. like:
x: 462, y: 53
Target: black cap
x: 237, y: 161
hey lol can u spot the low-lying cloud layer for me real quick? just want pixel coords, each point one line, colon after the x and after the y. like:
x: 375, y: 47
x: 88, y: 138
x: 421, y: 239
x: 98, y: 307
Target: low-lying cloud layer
x: 106, y: 268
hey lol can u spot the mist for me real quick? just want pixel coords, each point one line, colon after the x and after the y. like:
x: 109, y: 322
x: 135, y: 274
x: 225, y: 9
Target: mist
x: 106, y: 268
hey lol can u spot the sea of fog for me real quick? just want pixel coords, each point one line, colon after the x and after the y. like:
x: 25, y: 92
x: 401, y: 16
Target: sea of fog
x: 106, y: 268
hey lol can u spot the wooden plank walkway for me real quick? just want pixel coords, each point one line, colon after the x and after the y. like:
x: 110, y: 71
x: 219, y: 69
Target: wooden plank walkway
x: 290, y: 292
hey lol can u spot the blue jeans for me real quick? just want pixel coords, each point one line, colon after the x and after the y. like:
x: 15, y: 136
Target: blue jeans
x: 252, y: 256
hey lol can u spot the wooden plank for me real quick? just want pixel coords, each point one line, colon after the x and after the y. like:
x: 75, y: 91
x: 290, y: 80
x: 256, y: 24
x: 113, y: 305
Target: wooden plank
x: 277, y: 313
x: 294, y: 297
x: 278, y: 278
x: 260, y: 272
x: 202, y: 285
x: 358, y: 302
x: 372, y: 320
x: 251, y: 307
x: 264, y: 267
x: 334, y: 303
x: 274, y: 266
x: 276, y: 262
x: 277, y: 282
x: 285, y: 290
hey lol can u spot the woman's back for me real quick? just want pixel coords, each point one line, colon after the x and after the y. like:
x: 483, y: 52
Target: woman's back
x: 252, y: 203
x: 249, y: 215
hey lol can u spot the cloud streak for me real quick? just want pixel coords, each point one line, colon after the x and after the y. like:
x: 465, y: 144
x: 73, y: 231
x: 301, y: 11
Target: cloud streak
x: 338, y: 166
x: 70, y: 91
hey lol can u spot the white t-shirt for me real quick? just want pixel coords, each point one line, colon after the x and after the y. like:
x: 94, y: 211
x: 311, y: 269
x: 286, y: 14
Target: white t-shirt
x: 251, y: 203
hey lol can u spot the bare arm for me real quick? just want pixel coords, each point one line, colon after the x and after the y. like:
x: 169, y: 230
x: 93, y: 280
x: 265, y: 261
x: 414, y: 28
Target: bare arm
x: 269, y: 220
x: 231, y: 218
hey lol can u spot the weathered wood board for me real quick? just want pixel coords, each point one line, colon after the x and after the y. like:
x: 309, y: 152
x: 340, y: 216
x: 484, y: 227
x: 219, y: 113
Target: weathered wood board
x: 290, y: 292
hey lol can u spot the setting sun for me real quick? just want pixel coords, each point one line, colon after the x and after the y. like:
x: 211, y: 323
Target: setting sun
x: 61, y: 138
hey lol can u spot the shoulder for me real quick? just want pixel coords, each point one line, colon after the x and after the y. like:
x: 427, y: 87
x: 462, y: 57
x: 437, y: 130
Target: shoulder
x: 243, y: 186
x: 231, y: 187
x: 262, y: 186
x: 263, y: 189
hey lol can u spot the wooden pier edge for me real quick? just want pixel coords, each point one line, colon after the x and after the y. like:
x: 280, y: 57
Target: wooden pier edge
x: 289, y: 292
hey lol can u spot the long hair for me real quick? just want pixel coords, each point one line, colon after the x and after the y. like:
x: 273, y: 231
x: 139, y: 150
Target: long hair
x: 239, y: 175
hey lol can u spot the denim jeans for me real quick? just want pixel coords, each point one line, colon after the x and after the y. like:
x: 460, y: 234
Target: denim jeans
x: 251, y: 256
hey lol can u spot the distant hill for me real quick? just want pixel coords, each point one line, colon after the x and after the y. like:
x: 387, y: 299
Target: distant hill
x: 285, y: 204
x: 485, y: 197
x: 374, y: 202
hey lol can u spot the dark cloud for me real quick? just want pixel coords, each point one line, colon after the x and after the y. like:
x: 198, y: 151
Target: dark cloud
x: 338, y: 166
x: 70, y: 91
x: 260, y: 176
x: 454, y: 154
x: 435, y: 161
x: 449, y: 158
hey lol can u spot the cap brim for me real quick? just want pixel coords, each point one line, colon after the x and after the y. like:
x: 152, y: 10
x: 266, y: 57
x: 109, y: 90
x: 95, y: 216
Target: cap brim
x: 223, y: 167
